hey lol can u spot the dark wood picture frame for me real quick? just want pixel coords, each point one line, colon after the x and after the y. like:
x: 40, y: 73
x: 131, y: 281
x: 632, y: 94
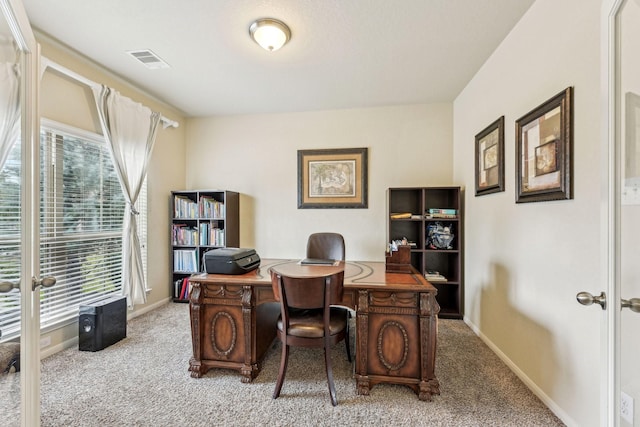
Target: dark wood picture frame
x: 490, y: 159
x: 332, y: 178
x: 544, y: 147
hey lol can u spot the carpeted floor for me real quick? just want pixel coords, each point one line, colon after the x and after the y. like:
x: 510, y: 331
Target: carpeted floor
x: 143, y: 381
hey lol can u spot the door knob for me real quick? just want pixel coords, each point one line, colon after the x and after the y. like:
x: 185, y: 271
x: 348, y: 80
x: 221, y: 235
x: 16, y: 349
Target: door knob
x: 7, y: 286
x: 633, y: 304
x: 585, y: 298
x: 45, y: 282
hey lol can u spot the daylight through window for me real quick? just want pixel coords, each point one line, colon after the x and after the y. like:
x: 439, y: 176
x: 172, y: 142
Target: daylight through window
x: 81, y: 215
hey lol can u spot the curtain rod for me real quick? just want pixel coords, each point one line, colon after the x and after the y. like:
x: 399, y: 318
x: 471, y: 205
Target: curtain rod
x: 46, y: 62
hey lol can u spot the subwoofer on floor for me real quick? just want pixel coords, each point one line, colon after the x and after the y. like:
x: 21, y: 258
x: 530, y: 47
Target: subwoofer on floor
x: 102, y: 323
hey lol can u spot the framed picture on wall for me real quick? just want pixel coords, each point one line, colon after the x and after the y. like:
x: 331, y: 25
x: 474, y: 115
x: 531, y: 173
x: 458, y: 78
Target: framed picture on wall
x: 544, y: 147
x: 332, y: 178
x: 490, y: 159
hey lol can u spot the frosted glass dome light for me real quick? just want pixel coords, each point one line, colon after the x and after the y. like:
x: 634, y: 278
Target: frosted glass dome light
x: 270, y: 33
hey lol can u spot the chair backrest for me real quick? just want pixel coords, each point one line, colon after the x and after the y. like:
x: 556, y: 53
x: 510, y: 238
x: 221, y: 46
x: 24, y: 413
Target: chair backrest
x: 308, y: 292
x: 326, y: 246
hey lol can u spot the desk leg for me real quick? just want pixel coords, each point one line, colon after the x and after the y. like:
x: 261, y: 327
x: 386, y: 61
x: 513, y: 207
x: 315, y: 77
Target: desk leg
x: 249, y: 370
x: 429, y: 310
x: 362, y: 332
x: 195, y: 363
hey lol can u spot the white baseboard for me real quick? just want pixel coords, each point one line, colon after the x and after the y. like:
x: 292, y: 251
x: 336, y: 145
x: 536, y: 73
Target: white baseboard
x: 146, y: 309
x: 550, y: 403
x: 73, y: 342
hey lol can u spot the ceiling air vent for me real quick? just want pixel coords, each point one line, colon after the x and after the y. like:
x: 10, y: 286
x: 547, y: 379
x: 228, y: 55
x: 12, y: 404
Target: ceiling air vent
x: 148, y: 59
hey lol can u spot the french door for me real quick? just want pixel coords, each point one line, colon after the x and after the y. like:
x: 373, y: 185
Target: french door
x: 15, y: 26
x: 621, y: 25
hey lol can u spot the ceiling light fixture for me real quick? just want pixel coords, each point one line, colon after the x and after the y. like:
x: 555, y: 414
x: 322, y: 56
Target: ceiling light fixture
x: 270, y: 33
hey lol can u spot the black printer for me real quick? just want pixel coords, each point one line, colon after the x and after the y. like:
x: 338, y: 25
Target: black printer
x: 230, y: 261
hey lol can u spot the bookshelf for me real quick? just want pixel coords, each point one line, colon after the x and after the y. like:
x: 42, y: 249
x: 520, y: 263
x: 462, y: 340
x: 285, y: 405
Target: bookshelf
x: 413, y: 213
x: 200, y: 220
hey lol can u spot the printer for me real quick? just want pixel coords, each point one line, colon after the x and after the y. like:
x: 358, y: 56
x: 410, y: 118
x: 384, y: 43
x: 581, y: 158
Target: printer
x: 230, y: 260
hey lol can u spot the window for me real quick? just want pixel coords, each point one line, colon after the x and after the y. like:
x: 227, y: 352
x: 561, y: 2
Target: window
x: 10, y: 241
x: 81, y: 215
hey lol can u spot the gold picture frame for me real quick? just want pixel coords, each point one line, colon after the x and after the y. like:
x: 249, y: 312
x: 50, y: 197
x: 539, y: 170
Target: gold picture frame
x: 490, y: 159
x: 332, y: 178
x: 544, y: 146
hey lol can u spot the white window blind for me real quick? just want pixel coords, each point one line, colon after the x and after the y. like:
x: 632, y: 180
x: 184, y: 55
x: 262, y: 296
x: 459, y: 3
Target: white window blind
x: 81, y: 216
x: 10, y: 242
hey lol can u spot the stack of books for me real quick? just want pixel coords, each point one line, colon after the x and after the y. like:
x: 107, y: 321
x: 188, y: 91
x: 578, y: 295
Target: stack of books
x: 182, y: 288
x: 184, y: 235
x: 210, y: 208
x: 434, y: 276
x: 441, y: 213
x: 185, y: 260
x: 184, y: 207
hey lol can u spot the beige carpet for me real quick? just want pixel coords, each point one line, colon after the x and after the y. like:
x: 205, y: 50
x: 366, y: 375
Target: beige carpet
x: 143, y: 381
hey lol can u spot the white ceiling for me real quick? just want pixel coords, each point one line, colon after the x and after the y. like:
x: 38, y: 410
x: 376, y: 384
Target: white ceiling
x: 342, y: 53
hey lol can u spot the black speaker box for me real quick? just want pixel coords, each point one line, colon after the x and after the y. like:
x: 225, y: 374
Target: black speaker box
x: 102, y: 323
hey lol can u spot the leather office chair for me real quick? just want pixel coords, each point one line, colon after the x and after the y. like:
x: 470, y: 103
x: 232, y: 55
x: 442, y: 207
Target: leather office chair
x: 307, y: 319
x: 326, y: 246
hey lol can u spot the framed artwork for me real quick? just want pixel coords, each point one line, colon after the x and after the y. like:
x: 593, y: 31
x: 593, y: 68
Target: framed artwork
x: 544, y: 147
x: 332, y: 178
x: 490, y: 159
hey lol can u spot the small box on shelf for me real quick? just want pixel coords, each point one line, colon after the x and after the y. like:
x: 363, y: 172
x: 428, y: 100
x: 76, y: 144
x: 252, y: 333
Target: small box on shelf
x: 399, y: 260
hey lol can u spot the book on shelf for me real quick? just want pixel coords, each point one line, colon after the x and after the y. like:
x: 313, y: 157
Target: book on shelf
x: 184, y: 235
x: 400, y: 215
x: 441, y: 213
x: 184, y: 207
x: 216, y: 237
x: 182, y: 288
x: 434, y: 276
x: 441, y: 216
x: 185, y: 260
x: 210, y: 207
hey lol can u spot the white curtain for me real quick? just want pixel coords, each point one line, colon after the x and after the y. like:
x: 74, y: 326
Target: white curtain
x: 130, y: 130
x: 9, y: 108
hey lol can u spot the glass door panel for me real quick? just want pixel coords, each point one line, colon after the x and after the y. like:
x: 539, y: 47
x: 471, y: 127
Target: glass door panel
x: 628, y: 230
x: 19, y: 226
x: 10, y: 254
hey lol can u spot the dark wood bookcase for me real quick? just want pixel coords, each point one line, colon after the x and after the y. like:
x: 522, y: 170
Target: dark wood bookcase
x: 200, y: 220
x: 417, y: 201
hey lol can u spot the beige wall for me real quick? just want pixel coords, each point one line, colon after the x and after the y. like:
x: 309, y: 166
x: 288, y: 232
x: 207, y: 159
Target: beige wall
x: 256, y: 155
x: 67, y: 101
x: 525, y: 263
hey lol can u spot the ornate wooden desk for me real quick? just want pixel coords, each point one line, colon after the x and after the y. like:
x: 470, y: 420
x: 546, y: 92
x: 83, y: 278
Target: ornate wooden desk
x: 233, y: 323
